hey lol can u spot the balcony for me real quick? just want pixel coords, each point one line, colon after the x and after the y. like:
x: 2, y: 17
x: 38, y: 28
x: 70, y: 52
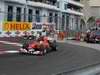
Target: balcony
x: 69, y: 11
x: 74, y: 12
x: 16, y: 1
x: 48, y: 4
x: 76, y: 3
x: 51, y: 2
x: 42, y: 5
x: 77, y: 0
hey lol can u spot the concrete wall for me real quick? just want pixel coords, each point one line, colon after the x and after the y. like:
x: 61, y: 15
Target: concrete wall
x: 94, y: 2
x: 86, y: 10
x: 91, y: 8
x: 95, y: 11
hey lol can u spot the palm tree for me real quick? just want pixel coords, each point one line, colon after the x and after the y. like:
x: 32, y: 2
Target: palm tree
x: 87, y: 23
x: 82, y: 25
x: 91, y: 22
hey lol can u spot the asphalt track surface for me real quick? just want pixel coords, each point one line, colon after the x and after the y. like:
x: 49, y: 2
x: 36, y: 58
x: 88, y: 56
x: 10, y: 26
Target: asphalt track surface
x: 67, y: 58
x: 4, y: 47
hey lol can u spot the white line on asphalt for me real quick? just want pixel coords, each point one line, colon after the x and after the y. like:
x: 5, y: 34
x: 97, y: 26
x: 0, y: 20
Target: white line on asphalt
x: 6, y: 42
x: 12, y: 51
x: 7, y: 52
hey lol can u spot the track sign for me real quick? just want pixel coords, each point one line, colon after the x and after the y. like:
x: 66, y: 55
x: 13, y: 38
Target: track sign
x: 13, y: 26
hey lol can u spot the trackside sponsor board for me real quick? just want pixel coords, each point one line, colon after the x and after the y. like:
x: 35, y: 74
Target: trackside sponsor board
x: 13, y: 26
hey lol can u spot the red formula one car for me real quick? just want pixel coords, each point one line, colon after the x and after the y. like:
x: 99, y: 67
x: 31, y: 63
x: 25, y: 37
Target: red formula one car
x: 40, y: 46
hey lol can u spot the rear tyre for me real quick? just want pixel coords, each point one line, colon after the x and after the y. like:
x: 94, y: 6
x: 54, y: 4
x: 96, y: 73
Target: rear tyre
x: 42, y: 53
x: 54, y: 46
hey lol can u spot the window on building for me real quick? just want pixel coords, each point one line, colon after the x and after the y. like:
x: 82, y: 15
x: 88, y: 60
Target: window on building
x: 67, y: 21
x: 65, y: 6
x: 37, y: 13
x: 77, y: 0
x: 38, y: 0
x: 54, y: 2
x: 30, y: 15
x: 76, y: 23
x: 50, y: 19
x: 10, y: 13
x: 24, y: 14
x: 56, y: 20
x: 72, y: 24
x: 57, y: 4
x: 63, y: 22
x: 18, y: 14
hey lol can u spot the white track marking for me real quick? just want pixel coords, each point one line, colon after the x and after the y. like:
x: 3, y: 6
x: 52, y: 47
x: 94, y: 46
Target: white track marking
x: 8, y: 52
x: 11, y: 43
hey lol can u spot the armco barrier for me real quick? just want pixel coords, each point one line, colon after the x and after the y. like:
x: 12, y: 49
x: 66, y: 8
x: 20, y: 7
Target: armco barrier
x: 61, y: 35
x: 77, y: 36
x: 15, y: 34
x: 71, y: 34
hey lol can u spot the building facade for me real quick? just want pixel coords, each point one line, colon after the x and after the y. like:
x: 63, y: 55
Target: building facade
x: 71, y: 14
x: 64, y: 14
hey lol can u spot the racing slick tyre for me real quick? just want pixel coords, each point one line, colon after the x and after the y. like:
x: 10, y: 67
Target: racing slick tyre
x: 42, y: 53
x: 53, y: 46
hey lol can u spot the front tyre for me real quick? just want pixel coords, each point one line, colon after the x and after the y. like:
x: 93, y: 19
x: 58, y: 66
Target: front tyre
x: 42, y: 53
x: 43, y: 50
